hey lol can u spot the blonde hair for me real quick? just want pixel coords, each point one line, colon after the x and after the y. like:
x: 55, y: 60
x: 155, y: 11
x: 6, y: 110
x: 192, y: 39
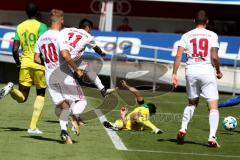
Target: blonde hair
x: 56, y: 15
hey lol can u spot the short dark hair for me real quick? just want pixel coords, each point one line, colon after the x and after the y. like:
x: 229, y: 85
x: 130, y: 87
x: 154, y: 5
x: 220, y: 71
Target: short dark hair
x: 152, y: 108
x: 31, y: 10
x: 85, y: 23
x: 201, y: 17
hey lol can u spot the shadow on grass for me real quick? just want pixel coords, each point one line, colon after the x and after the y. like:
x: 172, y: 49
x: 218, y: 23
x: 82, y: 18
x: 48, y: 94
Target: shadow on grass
x: 46, y: 139
x: 186, y: 142
x: 84, y: 123
x: 234, y: 132
x: 14, y: 129
x: 51, y: 121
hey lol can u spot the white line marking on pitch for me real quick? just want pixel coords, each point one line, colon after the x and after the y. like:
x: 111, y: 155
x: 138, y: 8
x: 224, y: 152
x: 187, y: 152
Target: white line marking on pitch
x: 119, y: 145
x: 185, y: 153
x: 116, y: 140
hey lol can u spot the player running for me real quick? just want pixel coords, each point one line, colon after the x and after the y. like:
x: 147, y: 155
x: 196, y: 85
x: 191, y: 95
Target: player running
x: 30, y: 73
x: 139, y: 118
x: 201, y: 46
x: 63, y: 88
x: 78, y: 39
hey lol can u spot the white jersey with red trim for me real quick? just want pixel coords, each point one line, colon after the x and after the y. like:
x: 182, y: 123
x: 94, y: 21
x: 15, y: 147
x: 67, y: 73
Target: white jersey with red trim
x: 198, y: 43
x: 78, y: 39
x: 50, y: 44
x: 61, y: 84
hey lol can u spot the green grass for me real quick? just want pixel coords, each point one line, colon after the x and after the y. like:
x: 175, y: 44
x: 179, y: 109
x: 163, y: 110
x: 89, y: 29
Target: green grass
x: 94, y: 143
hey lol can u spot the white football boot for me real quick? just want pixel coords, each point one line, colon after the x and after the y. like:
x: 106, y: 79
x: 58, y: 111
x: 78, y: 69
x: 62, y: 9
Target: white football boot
x: 34, y: 131
x: 6, y: 90
x: 105, y: 92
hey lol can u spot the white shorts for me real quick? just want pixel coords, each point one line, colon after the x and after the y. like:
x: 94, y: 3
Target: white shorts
x: 78, y: 107
x: 69, y: 90
x: 204, y: 85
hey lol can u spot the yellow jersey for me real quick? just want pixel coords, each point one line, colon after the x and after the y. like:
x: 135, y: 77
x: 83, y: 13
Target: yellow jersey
x: 143, y: 111
x: 27, y: 33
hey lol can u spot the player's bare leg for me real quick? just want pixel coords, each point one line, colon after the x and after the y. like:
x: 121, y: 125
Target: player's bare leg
x: 187, y: 116
x: 21, y: 96
x: 213, y: 122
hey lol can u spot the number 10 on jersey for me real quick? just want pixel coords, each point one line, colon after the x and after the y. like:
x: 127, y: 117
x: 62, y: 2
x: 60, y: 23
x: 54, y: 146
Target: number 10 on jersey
x: 50, y: 52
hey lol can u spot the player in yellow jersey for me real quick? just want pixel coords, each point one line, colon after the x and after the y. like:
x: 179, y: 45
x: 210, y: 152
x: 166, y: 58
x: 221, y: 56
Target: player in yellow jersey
x: 139, y: 118
x: 30, y: 73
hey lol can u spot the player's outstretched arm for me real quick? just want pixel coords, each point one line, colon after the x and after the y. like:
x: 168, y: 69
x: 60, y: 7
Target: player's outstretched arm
x: 16, y: 45
x: 215, y: 61
x: 38, y: 56
x: 99, y: 51
x: 176, y: 66
x: 123, y: 113
x: 67, y: 57
x: 133, y: 90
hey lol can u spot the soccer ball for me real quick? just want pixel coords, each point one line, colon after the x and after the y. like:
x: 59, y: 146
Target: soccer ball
x: 229, y: 123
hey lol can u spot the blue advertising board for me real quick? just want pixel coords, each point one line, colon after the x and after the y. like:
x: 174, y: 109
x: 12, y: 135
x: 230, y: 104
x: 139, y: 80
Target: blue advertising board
x: 138, y: 45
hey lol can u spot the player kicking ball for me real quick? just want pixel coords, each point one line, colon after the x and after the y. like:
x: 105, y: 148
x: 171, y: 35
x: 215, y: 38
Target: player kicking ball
x: 78, y: 39
x: 139, y: 118
x: 202, y: 71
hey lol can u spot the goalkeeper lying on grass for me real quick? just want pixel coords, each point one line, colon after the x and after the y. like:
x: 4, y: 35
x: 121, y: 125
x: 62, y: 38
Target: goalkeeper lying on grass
x: 139, y: 118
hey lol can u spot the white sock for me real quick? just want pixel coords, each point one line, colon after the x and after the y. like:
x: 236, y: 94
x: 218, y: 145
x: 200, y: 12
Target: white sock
x: 63, y: 124
x: 213, y: 122
x: 98, y: 83
x: 187, y: 116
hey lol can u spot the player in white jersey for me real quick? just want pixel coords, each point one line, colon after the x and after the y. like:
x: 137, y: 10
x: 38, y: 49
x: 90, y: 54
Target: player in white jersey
x: 78, y: 39
x: 202, y: 68
x: 63, y: 88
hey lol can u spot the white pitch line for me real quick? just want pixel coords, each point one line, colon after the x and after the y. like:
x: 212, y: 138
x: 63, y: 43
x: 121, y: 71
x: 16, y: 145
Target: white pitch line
x: 184, y: 153
x: 116, y: 140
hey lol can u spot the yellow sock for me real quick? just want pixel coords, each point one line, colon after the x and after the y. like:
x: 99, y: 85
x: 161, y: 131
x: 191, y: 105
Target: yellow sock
x: 17, y: 95
x: 148, y: 123
x: 37, y: 110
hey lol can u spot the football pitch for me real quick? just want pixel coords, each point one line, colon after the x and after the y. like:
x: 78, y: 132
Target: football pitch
x: 95, y: 143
